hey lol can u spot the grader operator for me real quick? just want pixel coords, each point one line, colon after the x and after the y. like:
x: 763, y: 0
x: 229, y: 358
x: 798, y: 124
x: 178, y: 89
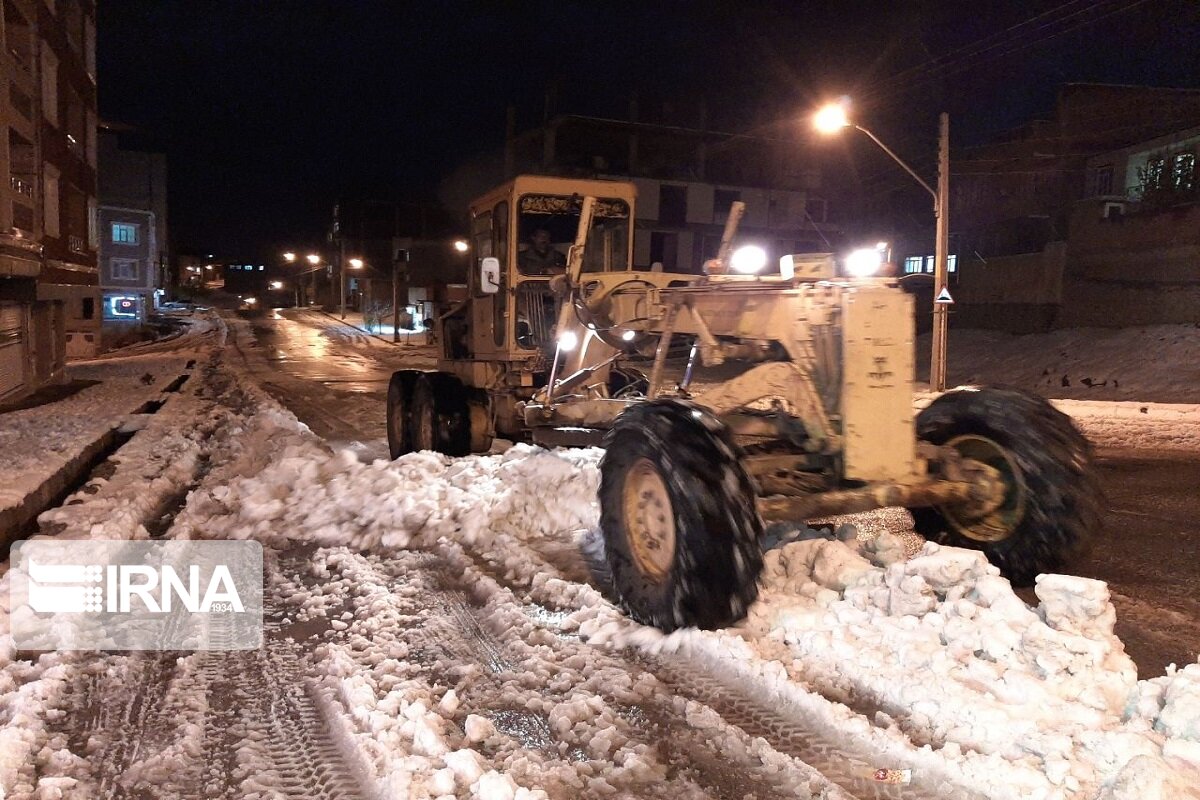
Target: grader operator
x: 812, y: 415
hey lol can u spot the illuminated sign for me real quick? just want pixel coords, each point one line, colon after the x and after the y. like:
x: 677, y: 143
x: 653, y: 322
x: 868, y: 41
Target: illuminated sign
x: 123, y: 306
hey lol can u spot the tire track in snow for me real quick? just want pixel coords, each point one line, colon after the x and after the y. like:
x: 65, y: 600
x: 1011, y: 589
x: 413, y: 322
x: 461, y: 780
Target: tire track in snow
x: 803, y: 738
x: 657, y: 723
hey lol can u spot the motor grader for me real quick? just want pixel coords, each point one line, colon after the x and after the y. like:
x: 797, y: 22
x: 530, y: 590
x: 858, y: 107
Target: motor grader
x: 805, y: 409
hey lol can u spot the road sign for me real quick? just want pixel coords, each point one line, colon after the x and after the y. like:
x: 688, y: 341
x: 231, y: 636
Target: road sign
x: 944, y: 296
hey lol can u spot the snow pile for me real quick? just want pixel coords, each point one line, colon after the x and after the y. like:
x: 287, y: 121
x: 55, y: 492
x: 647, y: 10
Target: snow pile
x: 329, y: 498
x: 1081, y: 363
x: 945, y: 649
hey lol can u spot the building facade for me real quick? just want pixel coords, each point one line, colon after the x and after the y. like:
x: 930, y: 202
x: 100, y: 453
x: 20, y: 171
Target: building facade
x: 49, y: 282
x: 130, y: 271
x: 687, y: 180
x: 133, y: 227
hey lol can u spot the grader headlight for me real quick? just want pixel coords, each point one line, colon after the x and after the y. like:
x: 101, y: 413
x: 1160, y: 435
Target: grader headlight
x: 864, y: 263
x: 748, y: 259
x: 568, y: 341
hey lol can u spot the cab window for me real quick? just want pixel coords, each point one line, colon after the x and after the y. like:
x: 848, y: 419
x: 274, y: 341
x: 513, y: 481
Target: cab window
x: 547, y: 225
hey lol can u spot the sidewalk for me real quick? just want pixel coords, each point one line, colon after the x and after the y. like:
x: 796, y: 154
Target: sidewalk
x: 47, y: 447
x: 384, y: 331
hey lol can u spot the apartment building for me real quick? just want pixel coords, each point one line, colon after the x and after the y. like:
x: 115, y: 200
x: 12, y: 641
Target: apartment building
x: 133, y: 226
x: 49, y: 283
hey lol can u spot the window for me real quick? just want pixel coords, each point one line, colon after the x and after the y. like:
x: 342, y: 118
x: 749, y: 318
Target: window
x: 1152, y: 176
x: 93, y: 224
x: 723, y: 200
x: 664, y: 249
x: 814, y: 209
x: 123, y: 269
x: 926, y: 264
x: 1183, y: 171
x: 88, y: 309
x: 125, y: 233
x: 672, y: 204
x: 51, y: 202
x: 500, y: 248
x: 1104, y: 179
x: 50, y: 86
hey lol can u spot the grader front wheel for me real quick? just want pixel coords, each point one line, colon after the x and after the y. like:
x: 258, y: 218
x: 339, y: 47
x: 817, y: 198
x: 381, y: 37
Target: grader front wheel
x: 678, y: 515
x: 1049, y: 509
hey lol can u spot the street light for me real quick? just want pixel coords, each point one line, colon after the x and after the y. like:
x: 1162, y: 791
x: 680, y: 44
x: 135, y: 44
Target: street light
x: 460, y: 245
x: 831, y: 119
x: 289, y: 257
x: 313, y: 259
x: 356, y: 263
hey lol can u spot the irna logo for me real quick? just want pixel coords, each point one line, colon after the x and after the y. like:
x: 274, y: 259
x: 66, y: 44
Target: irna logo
x: 122, y: 588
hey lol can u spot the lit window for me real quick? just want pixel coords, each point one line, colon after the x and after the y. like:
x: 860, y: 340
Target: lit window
x: 1183, y: 172
x: 927, y: 264
x: 124, y: 233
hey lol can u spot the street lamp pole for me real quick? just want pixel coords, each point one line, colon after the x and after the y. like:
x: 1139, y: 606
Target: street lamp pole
x: 342, y: 271
x: 833, y: 118
x: 941, y: 310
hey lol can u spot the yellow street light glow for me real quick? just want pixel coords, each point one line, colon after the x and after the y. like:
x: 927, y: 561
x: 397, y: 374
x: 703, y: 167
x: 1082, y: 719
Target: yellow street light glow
x: 627, y: 336
x: 356, y: 263
x: 289, y: 257
x: 276, y: 284
x: 748, y: 259
x: 831, y: 118
x: 313, y: 259
x: 460, y: 245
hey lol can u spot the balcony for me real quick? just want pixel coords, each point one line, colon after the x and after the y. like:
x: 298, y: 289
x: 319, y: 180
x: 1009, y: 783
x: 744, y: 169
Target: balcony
x: 77, y: 244
x: 22, y: 186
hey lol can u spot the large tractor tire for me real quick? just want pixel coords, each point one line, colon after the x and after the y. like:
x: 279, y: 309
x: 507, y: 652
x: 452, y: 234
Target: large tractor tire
x: 440, y: 419
x: 399, y: 406
x: 677, y: 510
x: 1051, y: 502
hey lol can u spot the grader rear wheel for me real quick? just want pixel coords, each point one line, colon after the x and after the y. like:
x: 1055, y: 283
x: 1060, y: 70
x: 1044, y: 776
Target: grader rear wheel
x: 399, y: 404
x: 439, y: 417
x: 1049, y: 509
x: 677, y: 511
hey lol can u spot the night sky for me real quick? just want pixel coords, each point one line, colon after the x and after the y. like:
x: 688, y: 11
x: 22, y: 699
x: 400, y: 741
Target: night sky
x: 268, y: 111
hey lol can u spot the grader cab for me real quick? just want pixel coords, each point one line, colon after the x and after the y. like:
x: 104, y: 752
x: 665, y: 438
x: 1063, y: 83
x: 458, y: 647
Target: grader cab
x: 794, y: 401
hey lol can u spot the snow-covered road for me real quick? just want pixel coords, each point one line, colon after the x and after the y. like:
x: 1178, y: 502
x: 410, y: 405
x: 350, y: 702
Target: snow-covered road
x: 437, y: 628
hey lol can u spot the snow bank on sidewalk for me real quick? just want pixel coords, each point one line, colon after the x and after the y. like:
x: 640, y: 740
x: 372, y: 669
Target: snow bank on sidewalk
x: 39, y: 441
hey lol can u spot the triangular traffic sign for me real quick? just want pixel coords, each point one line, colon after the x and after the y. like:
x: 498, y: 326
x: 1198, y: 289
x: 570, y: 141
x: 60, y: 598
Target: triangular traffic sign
x: 944, y: 296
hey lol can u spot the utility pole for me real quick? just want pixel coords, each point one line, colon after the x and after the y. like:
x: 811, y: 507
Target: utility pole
x: 399, y: 271
x: 937, y: 366
x: 342, y: 270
